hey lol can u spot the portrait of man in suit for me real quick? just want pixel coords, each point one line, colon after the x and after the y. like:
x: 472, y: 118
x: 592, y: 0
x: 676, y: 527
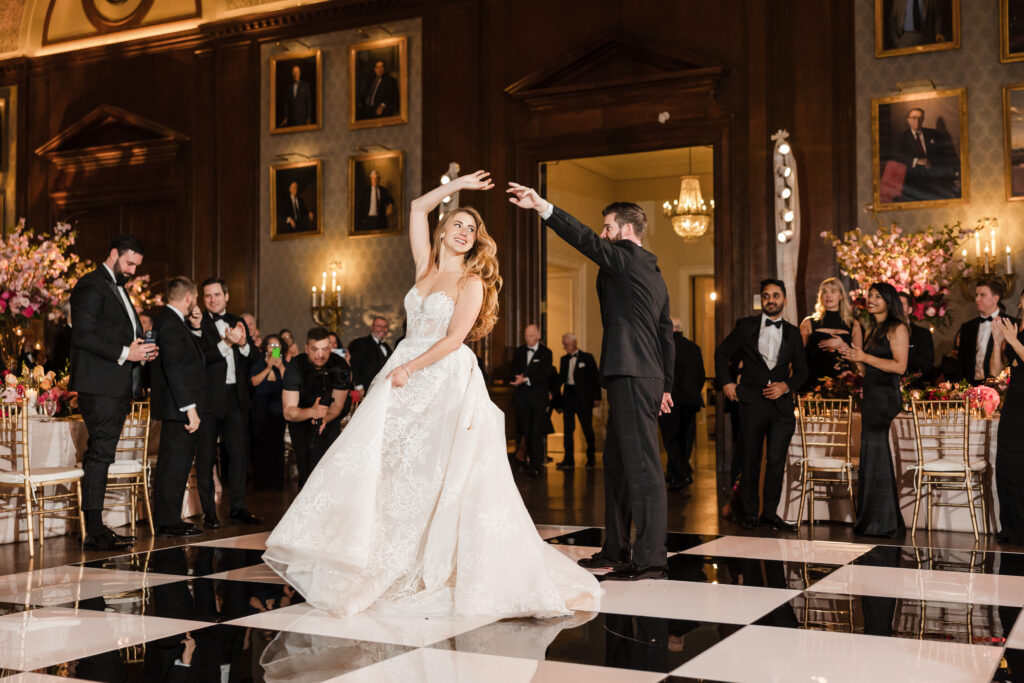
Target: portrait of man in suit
x: 911, y: 26
x: 295, y: 92
x: 921, y: 147
x: 295, y: 200
x: 377, y: 74
x: 375, y: 187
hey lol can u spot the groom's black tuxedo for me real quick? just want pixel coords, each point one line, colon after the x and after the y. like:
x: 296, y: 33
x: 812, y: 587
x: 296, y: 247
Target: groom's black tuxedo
x: 179, y: 380
x: 531, y: 400
x: 637, y: 363
x: 759, y: 416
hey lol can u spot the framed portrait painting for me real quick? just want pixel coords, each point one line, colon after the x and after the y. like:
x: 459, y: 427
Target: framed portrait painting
x: 375, y: 193
x: 296, y: 92
x: 908, y: 27
x: 1011, y: 30
x: 378, y: 77
x: 919, y: 150
x: 1013, y: 140
x: 295, y: 204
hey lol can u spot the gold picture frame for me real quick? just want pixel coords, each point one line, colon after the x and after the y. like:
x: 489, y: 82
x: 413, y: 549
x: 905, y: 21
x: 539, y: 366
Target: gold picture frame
x: 306, y: 221
x: 390, y: 169
x: 941, y: 15
x: 364, y: 84
x: 303, y: 103
x: 1011, y: 33
x: 1013, y: 107
x: 901, y: 179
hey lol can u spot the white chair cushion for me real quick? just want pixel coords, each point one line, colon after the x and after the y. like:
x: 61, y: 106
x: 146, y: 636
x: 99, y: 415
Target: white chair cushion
x: 825, y: 462
x: 125, y: 467
x: 41, y: 475
x: 952, y: 465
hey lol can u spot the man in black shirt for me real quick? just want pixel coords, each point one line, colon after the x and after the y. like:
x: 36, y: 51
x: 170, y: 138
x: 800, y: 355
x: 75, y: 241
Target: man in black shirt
x: 314, y: 390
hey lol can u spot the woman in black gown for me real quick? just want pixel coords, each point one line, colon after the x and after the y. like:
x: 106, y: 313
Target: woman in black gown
x: 882, y: 360
x: 1010, y: 439
x: 831, y: 327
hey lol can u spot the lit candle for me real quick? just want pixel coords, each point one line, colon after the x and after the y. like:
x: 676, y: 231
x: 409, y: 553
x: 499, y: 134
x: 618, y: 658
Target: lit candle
x: 994, y: 230
x: 323, y: 281
x: 1009, y: 262
x: 977, y: 243
x: 314, y: 295
x: 986, y: 258
x: 334, y: 280
x: 337, y: 292
x: 964, y: 253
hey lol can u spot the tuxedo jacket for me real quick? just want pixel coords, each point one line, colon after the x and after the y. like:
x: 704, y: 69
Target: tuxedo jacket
x: 367, y: 359
x: 921, y: 356
x: 217, y: 387
x: 179, y: 372
x: 101, y: 328
x: 968, y: 350
x: 586, y: 378
x: 688, y: 388
x: 637, y: 339
x: 387, y: 94
x: 538, y: 371
x: 741, y: 345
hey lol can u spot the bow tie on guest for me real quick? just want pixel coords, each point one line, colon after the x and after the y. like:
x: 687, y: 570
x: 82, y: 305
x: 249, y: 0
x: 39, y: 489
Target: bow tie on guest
x: 985, y: 320
x: 773, y: 323
x: 533, y: 348
x: 217, y: 316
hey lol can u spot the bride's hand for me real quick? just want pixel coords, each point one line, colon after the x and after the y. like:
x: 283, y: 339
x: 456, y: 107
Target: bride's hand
x: 398, y: 377
x: 481, y: 180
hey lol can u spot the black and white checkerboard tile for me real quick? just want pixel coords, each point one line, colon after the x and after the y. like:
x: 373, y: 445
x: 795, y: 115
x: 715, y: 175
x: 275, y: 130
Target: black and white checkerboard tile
x: 733, y: 609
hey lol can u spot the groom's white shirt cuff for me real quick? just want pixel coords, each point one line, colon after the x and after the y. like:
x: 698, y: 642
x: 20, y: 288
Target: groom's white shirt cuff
x: 546, y: 214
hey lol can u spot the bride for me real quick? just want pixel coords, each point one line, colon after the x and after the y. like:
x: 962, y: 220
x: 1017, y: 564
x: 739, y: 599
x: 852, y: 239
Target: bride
x: 413, y: 509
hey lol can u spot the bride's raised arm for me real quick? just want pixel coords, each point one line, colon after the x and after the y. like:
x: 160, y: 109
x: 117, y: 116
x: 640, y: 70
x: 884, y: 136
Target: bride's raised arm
x: 419, y: 228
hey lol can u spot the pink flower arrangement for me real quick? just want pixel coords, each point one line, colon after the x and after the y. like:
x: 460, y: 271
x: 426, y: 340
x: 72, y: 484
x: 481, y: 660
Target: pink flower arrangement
x: 922, y: 264
x: 37, y: 272
x: 984, y: 398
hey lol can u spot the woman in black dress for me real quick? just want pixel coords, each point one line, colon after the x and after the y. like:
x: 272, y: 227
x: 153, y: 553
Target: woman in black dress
x: 882, y: 361
x: 830, y: 328
x: 266, y: 416
x: 1010, y: 439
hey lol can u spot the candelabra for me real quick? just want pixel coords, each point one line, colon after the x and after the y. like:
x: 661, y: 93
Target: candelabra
x: 987, y: 263
x: 326, y: 305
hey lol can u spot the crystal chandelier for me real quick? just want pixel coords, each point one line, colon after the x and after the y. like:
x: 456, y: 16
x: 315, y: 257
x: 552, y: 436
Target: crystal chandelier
x: 690, y: 215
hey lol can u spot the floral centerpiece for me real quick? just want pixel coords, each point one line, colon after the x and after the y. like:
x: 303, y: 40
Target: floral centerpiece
x: 38, y: 386
x: 37, y: 273
x: 847, y: 384
x: 983, y: 400
x: 922, y: 264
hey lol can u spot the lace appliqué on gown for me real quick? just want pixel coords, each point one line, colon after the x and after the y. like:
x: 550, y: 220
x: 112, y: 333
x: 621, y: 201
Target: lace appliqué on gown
x: 414, y: 508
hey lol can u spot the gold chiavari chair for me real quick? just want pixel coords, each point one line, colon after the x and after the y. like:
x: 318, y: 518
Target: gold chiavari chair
x: 825, y: 423
x: 944, y: 463
x: 130, y: 470
x: 28, y: 483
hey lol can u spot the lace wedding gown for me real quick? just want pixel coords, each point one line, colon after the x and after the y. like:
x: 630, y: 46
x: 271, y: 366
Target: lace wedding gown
x: 414, y: 510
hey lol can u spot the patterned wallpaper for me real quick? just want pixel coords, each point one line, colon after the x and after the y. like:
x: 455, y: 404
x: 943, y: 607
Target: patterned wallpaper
x: 10, y: 25
x: 975, y: 66
x: 378, y: 270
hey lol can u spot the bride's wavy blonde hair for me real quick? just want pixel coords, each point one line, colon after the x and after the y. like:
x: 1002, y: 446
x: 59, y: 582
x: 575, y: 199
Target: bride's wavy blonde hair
x: 481, y: 260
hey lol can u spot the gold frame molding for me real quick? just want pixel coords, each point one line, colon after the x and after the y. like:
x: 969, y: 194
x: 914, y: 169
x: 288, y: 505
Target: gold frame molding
x: 881, y: 52
x: 274, y: 168
x: 402, y: 42
x: 961, y: 94
x: 1008, y: 140
x: 318, y: 79
x: 398, y: 196
x: 1005, y: 56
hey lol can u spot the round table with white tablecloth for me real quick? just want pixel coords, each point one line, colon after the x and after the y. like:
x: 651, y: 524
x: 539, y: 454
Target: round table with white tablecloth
x: 904, y: 450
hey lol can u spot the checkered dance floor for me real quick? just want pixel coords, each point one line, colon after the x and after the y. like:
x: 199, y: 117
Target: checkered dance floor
x: 734, y: 609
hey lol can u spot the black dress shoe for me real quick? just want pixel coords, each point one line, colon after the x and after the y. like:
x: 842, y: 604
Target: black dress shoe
x: 750, y: 522
x: 104, y: 539
x: 127, y: 538
x: 178, y: 530
x: 633, y: 573
x: 777, y: 523
x: 566, y: 465
x: 245, y: 517
x: 548, y: 459
x: 211, y: 522
x: 599, y: 561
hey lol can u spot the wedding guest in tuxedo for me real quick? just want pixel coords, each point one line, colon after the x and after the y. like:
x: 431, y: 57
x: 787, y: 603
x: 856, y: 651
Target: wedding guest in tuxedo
x: 679, y: 427
x: 266, y: 416
x: 532, y: 366
x: 374, y: 206
x: 179, y: 385
x: 830, y: 326
x: 579, y: 383
x: 637, y: 365
x: 315, y: 386
x: 979, y: 357
x: 106, y: 349
x: 774, y: 363
x: 229, y: 352
x: 298, y: 102
x: 921, y: 358
x: 379, y: 95
x: 368, y: 354
x: 293, y: 215
x: 1009, y: 444
x: 882, y: 361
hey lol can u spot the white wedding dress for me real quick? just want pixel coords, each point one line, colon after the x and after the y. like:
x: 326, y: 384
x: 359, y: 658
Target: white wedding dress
x: 414, y: 510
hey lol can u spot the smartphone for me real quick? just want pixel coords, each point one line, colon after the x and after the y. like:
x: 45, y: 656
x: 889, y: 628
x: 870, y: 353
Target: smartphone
x: 150, y: 336
x: 275, y: 352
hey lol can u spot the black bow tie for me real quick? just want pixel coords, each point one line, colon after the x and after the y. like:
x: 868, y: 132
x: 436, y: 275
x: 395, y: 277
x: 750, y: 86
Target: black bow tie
x: 985, y: 320
x: 217, y: 316
x: 773, y: 323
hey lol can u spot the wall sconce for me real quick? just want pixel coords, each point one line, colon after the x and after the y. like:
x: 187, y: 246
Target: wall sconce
x: 787, y: 212
x: 326, y: 305
x: 451, y: 202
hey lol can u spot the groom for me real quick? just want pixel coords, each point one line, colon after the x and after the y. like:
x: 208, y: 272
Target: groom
x: 637, y: 363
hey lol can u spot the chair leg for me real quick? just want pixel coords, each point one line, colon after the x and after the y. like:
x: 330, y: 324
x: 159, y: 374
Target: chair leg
x: 803, y: 496
x: 984, y: 505
x: 917, y: 502
x: 133, y: 500
x: 853, y: 501
x: 81, y: 515
x: 969, y: 490
x: 931, y: 506
x: 42, y: 519
x: 29, y: 521
x: 145, y: 501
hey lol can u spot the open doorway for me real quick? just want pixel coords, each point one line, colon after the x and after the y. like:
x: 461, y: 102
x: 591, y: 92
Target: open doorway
x: 583, y: 187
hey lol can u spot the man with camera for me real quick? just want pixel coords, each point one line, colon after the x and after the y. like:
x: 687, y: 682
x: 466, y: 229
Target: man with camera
x: 315, y: 387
